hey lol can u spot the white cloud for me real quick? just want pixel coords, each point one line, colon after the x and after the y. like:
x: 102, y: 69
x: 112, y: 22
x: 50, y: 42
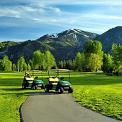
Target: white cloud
x: 72, y: 2
x: 46, y: 12
x: 9, y: 13
x: 102, y: 16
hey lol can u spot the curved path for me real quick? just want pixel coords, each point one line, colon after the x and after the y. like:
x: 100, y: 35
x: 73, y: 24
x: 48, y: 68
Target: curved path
x: 58, y: 108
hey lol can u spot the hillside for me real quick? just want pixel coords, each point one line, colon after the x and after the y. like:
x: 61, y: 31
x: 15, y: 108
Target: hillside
x: 5, y: 45
x: 63, y: 45
x: 113, y: 35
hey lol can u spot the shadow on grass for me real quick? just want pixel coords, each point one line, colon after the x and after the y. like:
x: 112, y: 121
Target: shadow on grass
x: 82, y: 79
x: 16, y: 91
x: 45, y: 93
x: 11, y: 89
x: 11, y: 81
x: 17, y: 94
x: 27, y: 92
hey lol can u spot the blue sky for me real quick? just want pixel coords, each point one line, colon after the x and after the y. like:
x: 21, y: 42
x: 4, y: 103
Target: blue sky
x: 29, y: 19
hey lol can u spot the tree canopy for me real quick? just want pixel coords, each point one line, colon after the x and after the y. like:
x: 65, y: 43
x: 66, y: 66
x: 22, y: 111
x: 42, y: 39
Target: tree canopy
x: 79, y: 61
x: 93, y: 55
x: 117, y: 57
x: 21, y: 64
x: 44, y: 60
x: 6, y: 64
x: 107, y: 63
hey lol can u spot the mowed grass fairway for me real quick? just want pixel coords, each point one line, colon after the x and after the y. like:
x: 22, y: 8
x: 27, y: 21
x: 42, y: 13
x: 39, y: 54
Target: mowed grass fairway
x: 12, y: 96
x: 93, y: 90
x: 100, y: 93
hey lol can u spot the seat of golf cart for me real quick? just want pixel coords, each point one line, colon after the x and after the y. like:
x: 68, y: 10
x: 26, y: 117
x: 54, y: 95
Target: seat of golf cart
x: 54, y: 80
x: 29, y: 79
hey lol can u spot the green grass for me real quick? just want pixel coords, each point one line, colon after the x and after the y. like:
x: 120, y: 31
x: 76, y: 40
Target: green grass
x: 100, y: 93
x: 95, y: 91
x: 11, y: 96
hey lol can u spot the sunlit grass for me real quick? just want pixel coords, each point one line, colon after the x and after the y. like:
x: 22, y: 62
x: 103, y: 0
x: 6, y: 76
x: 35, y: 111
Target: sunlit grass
x: 100, y: 93
x: 11, y: 96
x: 93, y: 90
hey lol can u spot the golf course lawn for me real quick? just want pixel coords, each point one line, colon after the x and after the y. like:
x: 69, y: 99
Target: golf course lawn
x: 93, y: 90
x: 100, y: 93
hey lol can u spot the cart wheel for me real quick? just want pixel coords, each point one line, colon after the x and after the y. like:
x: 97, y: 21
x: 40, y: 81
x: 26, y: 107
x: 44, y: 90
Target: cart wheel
x: 32, y: 87
x: 61, y: 90
x: 36, y: 87
x: 46, y: 89
x: 42, y: 87
x: 70, y: 90
x: 23, y: 86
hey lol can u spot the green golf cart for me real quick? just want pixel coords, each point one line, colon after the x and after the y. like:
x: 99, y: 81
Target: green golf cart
x: 32, y: 82
x: 57, y: 83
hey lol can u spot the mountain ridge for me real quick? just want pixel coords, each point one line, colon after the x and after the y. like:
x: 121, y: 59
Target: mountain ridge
x: 113, y: 35
x: 63, y: 45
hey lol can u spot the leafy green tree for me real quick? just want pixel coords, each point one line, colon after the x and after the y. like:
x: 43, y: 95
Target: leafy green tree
x: 107, y: 63
x: 79, y: 61
x: 49, y: 60
x: 1, y: 65
x: 94, y: 62
x: 43, y: 60
x: 117, y: 57
x: 28, y: 67
x: 73, y: 64
x: 25, y: 66
x: 21, y: 64
x: 31, y: 64
x: 7, y: 64
x: 93, y: 55
x: 14, y: 68
x: 38, y: 60
x: 64, y: 64
x: 69, y: 64
x: 60, y: 64
x: 93, y: 46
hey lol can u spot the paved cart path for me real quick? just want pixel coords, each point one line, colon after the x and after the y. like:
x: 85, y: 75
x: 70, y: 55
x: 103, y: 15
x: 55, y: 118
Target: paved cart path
x: 58, y: 108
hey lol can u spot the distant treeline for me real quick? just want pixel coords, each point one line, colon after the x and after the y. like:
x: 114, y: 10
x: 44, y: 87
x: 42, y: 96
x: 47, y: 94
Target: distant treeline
x: 91, y: 59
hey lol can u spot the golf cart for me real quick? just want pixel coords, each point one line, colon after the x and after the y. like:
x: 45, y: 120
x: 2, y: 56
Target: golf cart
x: 58, y: 83
x: 31, y: 82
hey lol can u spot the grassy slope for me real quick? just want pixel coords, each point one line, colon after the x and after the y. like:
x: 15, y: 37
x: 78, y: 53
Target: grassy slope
x: 100, y: 93
x: 11, y: 96
x: 96, y: 91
